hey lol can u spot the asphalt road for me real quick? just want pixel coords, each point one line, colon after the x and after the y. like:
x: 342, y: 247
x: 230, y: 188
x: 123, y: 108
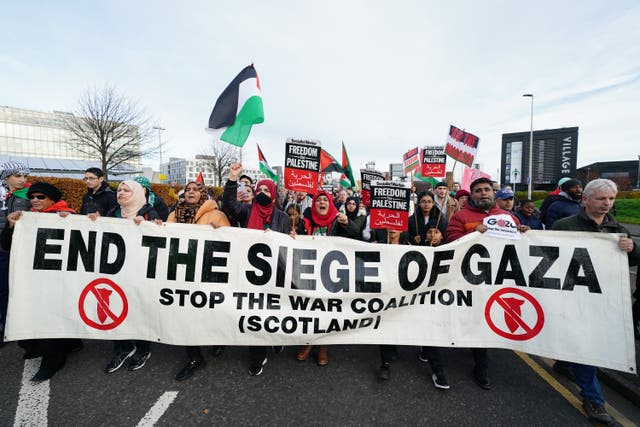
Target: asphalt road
x: 346, y: 392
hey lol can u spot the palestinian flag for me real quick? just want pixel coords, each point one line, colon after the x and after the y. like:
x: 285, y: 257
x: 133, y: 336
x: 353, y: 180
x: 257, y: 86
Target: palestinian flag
x: 345, y: 182
x: 346, y: 169
x: 265, y: 168
x: 427, y: 179
x: 328, y: 163
x: 238, y: 108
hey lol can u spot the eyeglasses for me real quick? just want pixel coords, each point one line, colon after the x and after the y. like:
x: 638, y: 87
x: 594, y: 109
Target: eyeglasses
x: 37, y: 196
x: 426, y: 202
x: 89, y: 178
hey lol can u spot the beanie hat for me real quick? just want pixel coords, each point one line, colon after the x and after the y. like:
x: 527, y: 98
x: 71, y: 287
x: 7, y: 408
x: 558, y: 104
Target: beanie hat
x: 461, y: 193
x: 144, y: 181
x: 563, y: 180
x: 47, y: 189
x: 11, y: 167
x: 441, y: 184
x: 570, y: 183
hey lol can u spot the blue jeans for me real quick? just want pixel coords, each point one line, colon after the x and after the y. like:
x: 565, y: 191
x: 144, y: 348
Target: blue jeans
x: 587, y: 380
x: 4, y: 286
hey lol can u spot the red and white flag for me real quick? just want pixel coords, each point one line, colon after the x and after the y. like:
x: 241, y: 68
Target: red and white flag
x: 461, y: 146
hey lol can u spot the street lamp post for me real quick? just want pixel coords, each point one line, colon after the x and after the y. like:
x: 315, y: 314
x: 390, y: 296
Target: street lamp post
x: 638, y: 177
x: 160, y: 129
x: 530, y: 95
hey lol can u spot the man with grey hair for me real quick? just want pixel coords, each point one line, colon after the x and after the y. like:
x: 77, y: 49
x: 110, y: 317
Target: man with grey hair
x: 598, y: 198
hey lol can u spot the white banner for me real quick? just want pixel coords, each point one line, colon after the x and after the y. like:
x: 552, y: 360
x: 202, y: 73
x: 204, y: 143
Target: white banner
x: 563, y: 295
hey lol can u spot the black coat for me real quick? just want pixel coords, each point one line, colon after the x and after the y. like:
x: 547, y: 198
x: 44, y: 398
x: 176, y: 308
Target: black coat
x: 240, y: 211
x: 581, y: 222
x: 102, y: 201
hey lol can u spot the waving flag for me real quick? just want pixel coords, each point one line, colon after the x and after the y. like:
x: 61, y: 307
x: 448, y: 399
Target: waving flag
x: 346, y: 170
x: 328, y: 163
x: 265, y: 168
x: 238, y: 108
x: 462, y: 146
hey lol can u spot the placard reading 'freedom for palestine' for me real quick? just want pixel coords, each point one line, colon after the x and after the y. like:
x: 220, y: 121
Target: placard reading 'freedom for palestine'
x: 390, y: 205
x: 367, y: 176
x: 301, y: 165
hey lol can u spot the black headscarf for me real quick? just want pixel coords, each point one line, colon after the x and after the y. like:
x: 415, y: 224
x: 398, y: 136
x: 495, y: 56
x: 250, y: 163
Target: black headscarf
x: 354, y: 214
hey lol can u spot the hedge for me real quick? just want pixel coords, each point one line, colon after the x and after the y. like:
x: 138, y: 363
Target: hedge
x: 74, y: 189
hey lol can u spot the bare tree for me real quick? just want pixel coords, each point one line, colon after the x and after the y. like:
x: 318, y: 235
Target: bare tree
x: 108, y: 127
x: 221, y: 155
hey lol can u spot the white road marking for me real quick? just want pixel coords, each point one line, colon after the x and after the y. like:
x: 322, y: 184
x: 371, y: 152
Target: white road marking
x: 156, y: 411
x: 33, y: 401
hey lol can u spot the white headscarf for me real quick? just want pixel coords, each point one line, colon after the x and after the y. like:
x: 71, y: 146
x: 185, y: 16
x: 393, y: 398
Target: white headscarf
x: 138, y: 199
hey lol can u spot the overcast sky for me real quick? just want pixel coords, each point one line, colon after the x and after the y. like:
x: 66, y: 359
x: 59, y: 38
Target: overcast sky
x: 382, y: 76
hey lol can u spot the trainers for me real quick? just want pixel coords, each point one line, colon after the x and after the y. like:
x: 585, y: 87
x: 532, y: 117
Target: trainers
x: 439, y: 379
x: 118, y: 360
x: 138, y: 360
x: 422, y: 356
x: 255, y: 368
x: 385, y: 372
x: 481, y: 377
x: 595, y: 411
x: 187, y: 371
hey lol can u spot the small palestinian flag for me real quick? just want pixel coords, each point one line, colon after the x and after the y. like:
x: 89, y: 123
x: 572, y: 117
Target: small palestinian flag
x: 265, y: 168
x: 238, y: 108
x: 346, y: 170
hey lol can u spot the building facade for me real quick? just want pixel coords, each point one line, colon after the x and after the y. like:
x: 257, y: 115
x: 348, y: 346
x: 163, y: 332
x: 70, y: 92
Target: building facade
x: 625, y: 173
x: 182, y: 171
x: 39, y: 139
x: 555, y: 153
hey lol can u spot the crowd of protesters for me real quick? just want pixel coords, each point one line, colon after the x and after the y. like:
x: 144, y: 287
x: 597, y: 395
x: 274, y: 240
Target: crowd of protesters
x: 437, y: 217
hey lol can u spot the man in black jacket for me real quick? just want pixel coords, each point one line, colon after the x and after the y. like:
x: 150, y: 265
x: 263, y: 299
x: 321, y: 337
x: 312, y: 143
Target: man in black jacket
x: 100, y: 197
x: 598, y: 197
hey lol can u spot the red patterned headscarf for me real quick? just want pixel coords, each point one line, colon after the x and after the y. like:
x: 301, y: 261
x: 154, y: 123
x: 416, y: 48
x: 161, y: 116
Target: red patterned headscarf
x: 261, y: 215
x: 332, y: 212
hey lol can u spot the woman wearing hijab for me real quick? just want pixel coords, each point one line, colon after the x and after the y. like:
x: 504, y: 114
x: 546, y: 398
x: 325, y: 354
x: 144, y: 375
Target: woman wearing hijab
x: 324, y: 219
x: 45, y: 198
x: 262, y: 214
x: 196, y: 208
x: 132, y: 205
x: 352, y: 210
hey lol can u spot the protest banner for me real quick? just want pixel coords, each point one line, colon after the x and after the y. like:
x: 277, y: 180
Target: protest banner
x: 302, y: 165
x: 563, y: 295
x: 434, y: 161
x: 367, y: 176
x: 390, y: 205
x: 411, y: 160
x: 461, y: 146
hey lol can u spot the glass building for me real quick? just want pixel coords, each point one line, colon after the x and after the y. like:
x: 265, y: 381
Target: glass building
x: 38, y: 135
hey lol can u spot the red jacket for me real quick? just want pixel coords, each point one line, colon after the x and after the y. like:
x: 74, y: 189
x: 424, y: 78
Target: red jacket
x: 466, y: 220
